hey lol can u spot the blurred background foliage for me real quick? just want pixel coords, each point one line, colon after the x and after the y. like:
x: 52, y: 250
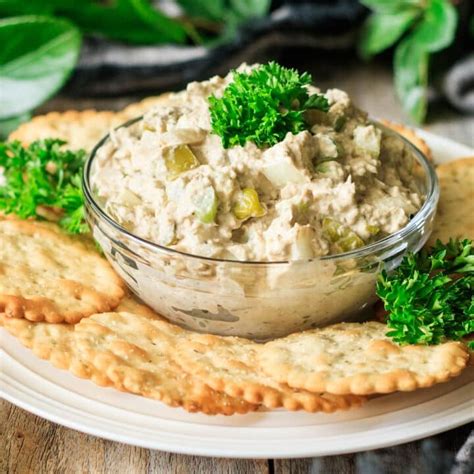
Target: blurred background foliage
x: 41, y: 39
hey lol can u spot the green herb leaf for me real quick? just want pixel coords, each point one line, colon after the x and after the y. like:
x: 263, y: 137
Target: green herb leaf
x: 43, y: 174
x: 437, y: 29
x: 391, y: 6
x: 430, y: 297
x: 214, y: 11
x: 263, y: 105
x: 36, y: 58
x: 250, y: 8
x: 382, y: 30
x: 411, y: 78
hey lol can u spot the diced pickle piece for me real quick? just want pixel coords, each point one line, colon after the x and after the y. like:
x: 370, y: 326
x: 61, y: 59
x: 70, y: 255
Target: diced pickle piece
x: 206, y: 203
x: 373, y: 229
x: 344, y: 238
x: 339, y: 123
x: 248, y: 205
x: 180, y: 159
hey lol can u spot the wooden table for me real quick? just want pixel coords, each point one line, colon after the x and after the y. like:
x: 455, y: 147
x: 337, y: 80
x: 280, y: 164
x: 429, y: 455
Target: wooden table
x: 32, y: 445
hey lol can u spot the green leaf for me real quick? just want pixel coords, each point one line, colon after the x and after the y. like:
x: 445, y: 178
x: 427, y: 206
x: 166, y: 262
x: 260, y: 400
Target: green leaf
x: 135, y: 21
x: 263, y: 105
x: 37, y: 56
x: 43, y: 175
x: 128, y: 20
x: 31, y: 7
x: 411, y: 78
x: 382, y: 30
x: 430, y: 296
x: 392, y: 6
x: 437, y: 29
x: 214, y: 11
x: 250, y: 8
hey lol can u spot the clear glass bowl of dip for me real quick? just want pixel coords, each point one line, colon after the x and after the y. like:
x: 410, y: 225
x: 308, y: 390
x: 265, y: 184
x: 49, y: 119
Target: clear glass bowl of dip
x: 259, y: 300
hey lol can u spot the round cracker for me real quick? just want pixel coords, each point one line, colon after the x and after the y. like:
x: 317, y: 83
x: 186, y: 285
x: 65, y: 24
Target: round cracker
x: 358, y: 358
x: 455, y: 214
x: 45, y: 275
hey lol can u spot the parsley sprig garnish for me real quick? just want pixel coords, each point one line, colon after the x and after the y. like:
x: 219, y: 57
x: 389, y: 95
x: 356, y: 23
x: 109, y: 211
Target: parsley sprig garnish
x: 263, y: 105
x: 43, y: 175
x: 430, y: 296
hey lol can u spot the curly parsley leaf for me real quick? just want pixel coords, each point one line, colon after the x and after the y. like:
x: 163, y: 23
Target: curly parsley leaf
x: 43, y: 175
x: 430, y: 297
x: 263, y: 105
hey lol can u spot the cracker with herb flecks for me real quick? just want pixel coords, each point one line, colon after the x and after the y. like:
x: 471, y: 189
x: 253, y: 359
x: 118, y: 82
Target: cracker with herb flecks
x: 455, y: 214
x: 125, y: 360
x: 358, y: 358
x: 48, y: 276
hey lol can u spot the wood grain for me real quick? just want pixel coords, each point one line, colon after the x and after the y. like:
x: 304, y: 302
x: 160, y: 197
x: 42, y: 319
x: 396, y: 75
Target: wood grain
x: 30, y: 444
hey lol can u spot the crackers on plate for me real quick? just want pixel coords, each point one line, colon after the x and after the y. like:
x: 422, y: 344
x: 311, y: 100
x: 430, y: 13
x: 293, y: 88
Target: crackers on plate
x: 63, y: 300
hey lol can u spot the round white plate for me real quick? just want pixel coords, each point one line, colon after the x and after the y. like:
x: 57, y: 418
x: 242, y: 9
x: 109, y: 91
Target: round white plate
x: 58, y: 396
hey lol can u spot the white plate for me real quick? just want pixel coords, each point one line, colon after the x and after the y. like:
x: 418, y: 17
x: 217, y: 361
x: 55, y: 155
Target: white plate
x: 58, y: 396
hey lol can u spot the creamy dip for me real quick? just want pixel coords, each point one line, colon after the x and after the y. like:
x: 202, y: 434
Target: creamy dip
x: 335, y: 187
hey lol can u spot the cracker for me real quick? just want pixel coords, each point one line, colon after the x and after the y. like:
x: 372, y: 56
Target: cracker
x: 411, y: 136
x: 48, y: 276
x: 81, y: 129
x: 455, y: 214
x: 136, y: 109
x: 360, y: 359
x: 94, y: 350
x: 229, y: 364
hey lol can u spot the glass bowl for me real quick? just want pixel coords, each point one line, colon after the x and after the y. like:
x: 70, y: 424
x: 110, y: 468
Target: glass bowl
x: 259, y: 300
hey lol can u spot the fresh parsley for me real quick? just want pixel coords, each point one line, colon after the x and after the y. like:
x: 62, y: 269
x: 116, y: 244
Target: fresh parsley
x: 430, y: 296
x: 263, y: 105
x: 43, y: 178
x: 417, y: 29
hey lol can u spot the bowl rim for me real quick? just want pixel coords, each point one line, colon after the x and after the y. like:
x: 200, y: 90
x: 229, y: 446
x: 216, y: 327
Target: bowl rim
x: 431, y: 200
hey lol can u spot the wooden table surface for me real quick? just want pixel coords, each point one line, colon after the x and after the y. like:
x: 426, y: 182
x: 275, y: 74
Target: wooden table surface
x: 30, y: 444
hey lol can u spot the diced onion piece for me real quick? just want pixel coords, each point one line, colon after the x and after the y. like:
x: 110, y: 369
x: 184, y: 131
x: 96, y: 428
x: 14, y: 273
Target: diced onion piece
x: 327, y: 148
x: 344, y: 238
x: 248, y: 205
x: 302, y: 248
x: 206, y: 203
x: 180, y: 159
x: 167, y: 233
x: 367, y: 140
x: 282, y: 171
